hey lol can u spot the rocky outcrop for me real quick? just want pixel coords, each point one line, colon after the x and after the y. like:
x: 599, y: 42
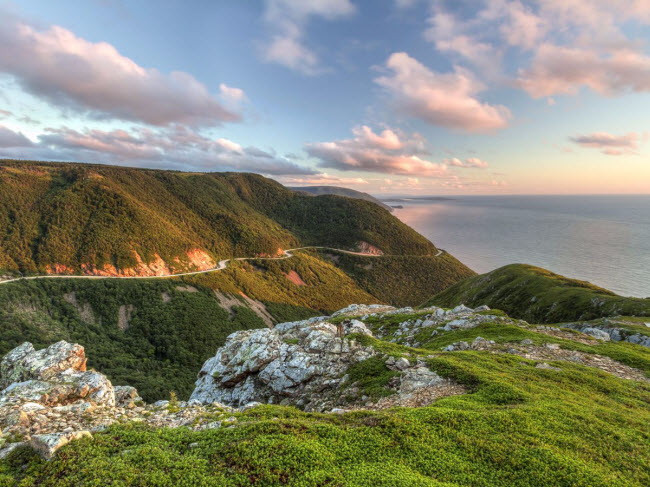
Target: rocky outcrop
x: 54, y: 375
x: 432, y: 321
x: 48, y: 399
x: 305, y: 364
x: 607, y: 330
x: 41, y: 385
x: 293, y: 363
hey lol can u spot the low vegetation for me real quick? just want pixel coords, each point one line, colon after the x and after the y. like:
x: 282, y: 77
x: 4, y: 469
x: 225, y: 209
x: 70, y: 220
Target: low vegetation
x: 539, y: 296
x: 518, y: 425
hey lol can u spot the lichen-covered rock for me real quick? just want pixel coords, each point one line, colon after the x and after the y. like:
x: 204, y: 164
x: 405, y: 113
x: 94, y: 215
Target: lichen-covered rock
x: 24, y: 363
x: 292, y: 363
x: 126, y: 396
x: 47, y: 445
x: 55, y: 375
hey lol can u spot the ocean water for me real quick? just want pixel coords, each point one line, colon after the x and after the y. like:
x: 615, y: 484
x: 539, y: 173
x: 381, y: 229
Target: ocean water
x: 601, y: 239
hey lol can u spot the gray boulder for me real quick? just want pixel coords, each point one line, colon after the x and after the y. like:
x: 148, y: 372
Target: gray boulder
x: 55, y: 376
x: 292, y: 363
x: 24, y: 363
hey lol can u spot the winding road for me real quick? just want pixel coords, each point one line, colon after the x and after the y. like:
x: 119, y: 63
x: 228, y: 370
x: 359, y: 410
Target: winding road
x: 221, y: 265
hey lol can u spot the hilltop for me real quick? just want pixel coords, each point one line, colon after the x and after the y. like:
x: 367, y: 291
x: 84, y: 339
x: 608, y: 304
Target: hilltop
x: 405, y: 397
x: 539, y: 296
x: 81, y: 218
x: 338, y: 191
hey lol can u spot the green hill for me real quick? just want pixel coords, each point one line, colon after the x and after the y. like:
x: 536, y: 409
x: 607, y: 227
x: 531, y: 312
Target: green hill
x: 539, y: 296
x: 80, y: 217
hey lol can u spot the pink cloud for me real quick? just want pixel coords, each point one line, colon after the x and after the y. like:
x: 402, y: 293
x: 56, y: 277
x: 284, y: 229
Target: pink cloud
x: 94, y: 78
x: 176, y: 147
x: 612, y: 145
x: 381, y: 153
x: 563, y: 70
x: 471, y: 162
x: 448, y: 100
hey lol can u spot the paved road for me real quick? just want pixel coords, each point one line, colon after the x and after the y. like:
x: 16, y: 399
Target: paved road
x: 221, y: 265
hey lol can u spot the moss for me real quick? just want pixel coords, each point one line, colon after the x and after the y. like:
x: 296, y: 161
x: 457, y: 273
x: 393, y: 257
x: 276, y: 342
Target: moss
x: 519, y: 426
x: 372, y: 377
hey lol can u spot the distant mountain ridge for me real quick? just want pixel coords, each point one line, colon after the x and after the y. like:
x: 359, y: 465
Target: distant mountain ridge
x: 338, y: 191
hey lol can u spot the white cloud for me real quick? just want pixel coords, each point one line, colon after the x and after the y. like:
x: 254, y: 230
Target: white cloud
x: 94, y: 78
x: 287, y: 19
x: 448, y: 99
x: 451, y: 36
x: 612, y: 145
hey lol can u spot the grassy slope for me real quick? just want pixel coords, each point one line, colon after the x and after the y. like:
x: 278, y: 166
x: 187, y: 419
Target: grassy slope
x: 517, y: 426
x: 539, y: 296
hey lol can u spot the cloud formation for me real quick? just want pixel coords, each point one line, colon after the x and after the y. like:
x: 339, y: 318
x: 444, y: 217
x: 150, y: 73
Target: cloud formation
x: 323, y: 179
x: 175, y: 147
x: 448, y: 100
x: 95, y: 79
x: 561, y: 46
x: 9, y: 138
x: 471, y: 162
x: 612, y: 145
x: 388, y: 152
x: 287, y: 19
x: 557, y: 70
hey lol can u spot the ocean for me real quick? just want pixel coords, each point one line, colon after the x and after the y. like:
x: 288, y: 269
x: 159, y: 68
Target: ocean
x: 601, y: 239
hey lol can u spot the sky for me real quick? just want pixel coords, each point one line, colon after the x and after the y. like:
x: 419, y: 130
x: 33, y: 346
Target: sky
x: 390, y: 97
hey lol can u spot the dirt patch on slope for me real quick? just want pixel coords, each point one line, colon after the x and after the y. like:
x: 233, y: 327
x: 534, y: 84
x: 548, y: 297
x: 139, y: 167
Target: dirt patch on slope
x: 259, y: 309
x: 201, y: 260
x: 366, y: 248
x: 553, y: 352
x: 124, y: 316
x: 294, y: 277
x: 227, y: 301
x: 85, y: 310
x: 187, y: 289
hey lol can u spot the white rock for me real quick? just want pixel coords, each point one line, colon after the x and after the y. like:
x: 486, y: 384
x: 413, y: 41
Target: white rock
x: 47, y: 445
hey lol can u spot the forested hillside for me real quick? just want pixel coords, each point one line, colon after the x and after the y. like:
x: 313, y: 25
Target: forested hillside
x: 80, y: 218
x: 154, y: 334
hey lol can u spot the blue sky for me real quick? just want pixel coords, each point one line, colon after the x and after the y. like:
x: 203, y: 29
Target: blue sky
x: 385, y: 96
